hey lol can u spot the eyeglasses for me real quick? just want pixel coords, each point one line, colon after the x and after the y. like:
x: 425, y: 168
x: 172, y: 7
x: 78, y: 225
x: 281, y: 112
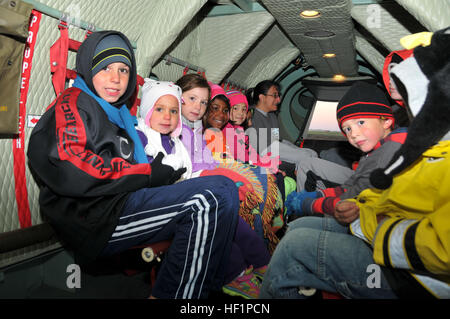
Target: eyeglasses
x: 275, y: 95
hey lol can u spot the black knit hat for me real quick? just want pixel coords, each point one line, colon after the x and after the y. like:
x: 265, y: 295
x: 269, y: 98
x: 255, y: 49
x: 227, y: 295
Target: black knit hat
x: 110, y: 49
x: 363, y: 100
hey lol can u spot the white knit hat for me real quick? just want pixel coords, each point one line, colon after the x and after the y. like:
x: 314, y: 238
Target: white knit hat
x: 151, y: 91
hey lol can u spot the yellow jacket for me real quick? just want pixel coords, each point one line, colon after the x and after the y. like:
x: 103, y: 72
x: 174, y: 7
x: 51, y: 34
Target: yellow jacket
x: 415, y: 236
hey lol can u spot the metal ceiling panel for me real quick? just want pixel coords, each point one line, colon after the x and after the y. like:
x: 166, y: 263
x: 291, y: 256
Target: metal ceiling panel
x: 309, y: 34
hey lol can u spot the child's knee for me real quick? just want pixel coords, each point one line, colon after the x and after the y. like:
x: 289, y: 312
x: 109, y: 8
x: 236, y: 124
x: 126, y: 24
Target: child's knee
x: 305, y: 222
x: 213, y: 181
x: 297, y: 243
x: 223, y: 192
x: 222, y: 186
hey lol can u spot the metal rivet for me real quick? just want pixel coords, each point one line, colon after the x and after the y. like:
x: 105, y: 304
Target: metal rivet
x: 54, y: 63
x: 12, y: 4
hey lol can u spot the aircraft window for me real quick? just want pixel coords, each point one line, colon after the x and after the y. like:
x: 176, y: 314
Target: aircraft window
x: 322, y: 124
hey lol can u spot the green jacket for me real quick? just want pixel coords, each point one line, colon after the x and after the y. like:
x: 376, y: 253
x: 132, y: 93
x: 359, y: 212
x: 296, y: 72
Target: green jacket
x: 13, y: 35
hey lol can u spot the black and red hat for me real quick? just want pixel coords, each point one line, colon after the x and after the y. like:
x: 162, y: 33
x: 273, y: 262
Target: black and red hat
x: 363, y: 100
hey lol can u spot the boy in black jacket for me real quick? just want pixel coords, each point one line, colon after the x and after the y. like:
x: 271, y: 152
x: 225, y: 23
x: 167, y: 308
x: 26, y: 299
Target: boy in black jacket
x: 101, y: 195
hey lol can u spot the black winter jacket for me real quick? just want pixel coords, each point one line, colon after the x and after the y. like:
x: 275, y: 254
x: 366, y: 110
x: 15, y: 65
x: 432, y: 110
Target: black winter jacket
x: 83, y: 163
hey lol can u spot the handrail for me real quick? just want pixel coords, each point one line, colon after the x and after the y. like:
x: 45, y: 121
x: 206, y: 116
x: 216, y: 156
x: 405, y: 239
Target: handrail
x: 169, y: 59
x: 63, y: 16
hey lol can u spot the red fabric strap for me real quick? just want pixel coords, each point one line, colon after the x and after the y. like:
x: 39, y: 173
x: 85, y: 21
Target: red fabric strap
x: 136, y: 101
x: 58, y: 59
x: 23, y: 206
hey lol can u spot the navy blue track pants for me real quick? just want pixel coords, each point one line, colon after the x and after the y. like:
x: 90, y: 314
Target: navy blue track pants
x: 199, y: 216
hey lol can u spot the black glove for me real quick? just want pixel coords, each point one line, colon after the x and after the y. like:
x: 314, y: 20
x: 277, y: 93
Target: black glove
x: 163, y: 174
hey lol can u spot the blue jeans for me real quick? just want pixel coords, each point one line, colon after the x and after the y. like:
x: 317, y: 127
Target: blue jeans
x: 320, y: 253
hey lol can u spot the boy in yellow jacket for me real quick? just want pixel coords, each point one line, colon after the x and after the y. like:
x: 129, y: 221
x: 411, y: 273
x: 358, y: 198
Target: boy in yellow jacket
x: 404, y: 224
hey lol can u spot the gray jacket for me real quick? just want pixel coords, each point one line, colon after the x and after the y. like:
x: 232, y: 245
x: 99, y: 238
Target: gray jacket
x: 265, y: 125
x: 380, y: 157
